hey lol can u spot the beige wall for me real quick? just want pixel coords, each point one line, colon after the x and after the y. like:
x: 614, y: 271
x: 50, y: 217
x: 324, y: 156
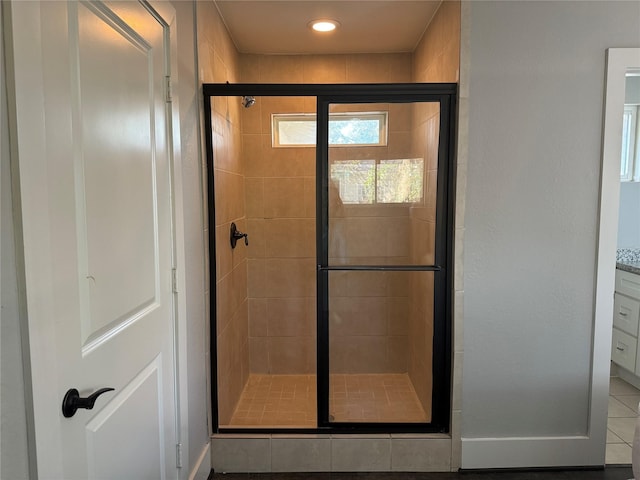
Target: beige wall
x: 437, y: 56
x: 357, y: 68
x: 219, y: 62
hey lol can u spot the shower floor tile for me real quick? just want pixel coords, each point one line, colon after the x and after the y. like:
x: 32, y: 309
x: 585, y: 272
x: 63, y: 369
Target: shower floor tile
x: 277, y: 401
x: 388, y: 397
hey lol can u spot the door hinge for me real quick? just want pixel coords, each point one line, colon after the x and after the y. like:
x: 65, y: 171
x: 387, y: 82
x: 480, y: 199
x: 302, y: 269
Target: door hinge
x: 167, y: 89
x: 174, y: 280
x: 179, y: 455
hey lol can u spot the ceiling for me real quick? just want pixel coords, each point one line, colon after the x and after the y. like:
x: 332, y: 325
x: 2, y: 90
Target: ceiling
x: 366, y: 26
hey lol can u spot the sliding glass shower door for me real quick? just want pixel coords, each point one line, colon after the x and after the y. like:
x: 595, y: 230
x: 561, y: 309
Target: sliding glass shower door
x: 365, y: 344
x: 382, y: 263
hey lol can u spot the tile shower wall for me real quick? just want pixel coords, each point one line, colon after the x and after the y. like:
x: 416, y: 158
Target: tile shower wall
x: 219, y: 62
x: 280, y: 199
x: 368, y: 311
x: 425, y: 129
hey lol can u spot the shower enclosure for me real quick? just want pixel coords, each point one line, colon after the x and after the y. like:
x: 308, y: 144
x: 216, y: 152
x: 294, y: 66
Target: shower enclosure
x: 330, y: 213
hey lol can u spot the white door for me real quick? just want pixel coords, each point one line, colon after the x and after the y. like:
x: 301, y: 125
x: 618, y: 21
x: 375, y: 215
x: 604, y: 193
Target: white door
x: 93, y: 151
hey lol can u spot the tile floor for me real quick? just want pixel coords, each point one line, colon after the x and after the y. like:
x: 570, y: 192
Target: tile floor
x: 276, y: 401
x: 374, y: 398
x: 623, y: 404
x: 290, y: 400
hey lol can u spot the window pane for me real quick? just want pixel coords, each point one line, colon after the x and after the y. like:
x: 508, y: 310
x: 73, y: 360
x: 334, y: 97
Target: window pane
x: 354, y: 181
x: 626, y: 141
x: 297, y: 132
x: 345, y: 129
x: 400, y: 181
x: 354, y: 131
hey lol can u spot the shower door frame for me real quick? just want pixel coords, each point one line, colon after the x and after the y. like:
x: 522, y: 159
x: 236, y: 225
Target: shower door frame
x: 445, y: 94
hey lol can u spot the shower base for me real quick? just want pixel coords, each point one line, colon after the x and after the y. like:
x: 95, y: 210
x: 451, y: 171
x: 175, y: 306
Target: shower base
x: 289, y: 401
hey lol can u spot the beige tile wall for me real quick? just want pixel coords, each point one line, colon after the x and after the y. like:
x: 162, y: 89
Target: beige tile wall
x: 368, y: 311
x: 437, y: 56
x: 368, y: 314
x: 219, y: 62
x: 280, y: 199
x: 357, y: 68
x: 422, y: 225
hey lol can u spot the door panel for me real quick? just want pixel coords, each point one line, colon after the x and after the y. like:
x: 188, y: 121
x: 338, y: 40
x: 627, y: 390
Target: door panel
x: 140, y: 399
x: 116, y: 126
x: 98, y: 246
x: 379, y: 264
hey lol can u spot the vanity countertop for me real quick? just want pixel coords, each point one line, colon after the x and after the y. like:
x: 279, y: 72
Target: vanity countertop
x: 631, y: 267
x: 628, y: 259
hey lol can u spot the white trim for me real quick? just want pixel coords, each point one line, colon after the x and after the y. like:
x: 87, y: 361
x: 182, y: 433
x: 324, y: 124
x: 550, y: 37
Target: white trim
x: 202, y: 467
x: 27, y: 140
x: 518, y: 452
x: 168, y: 13
x: 618, y: 61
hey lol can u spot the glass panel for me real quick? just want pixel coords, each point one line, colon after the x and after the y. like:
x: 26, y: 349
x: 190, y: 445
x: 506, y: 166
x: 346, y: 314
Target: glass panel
x: 382, y: 199
x: 266, y: 290
x: 625, y: 163
x: 380, y: 346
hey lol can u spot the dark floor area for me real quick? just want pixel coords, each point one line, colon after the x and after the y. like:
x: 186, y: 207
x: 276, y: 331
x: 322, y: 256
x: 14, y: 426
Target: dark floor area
x: 610, y: 473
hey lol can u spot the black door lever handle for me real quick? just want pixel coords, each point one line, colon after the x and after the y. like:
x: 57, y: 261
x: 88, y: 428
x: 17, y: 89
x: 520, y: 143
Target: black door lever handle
x: 73, y: 401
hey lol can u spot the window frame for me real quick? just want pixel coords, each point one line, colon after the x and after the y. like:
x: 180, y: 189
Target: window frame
x: 632, y: 147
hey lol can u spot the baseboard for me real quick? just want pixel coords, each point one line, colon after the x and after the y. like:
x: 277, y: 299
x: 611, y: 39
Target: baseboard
x: 202, y: 468
x: 628, y: 377
x: 492, y: 453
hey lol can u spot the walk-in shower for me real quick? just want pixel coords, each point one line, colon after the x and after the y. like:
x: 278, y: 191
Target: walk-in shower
x: 335, y: 313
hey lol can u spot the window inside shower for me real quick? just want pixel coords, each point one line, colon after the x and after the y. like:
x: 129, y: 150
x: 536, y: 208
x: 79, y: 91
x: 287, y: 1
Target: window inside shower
x: 335, y: 316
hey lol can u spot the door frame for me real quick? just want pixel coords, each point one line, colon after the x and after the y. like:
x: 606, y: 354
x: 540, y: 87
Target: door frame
x: 618, y: 62
x: 446, y: 95
x: 28, y: 84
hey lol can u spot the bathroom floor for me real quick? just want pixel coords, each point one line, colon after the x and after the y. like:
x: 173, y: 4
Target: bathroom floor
x: 290, y: 400
x: 623, y: 403
x: 610, y: 473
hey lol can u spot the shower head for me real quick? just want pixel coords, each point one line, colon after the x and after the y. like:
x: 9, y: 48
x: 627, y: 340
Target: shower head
x: 248, y: 101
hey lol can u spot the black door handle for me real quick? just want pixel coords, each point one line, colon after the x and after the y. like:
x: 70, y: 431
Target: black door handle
x: 73, y: 401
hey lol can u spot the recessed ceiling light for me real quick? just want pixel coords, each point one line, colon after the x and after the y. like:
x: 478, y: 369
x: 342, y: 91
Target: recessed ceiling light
x: 323, y: 25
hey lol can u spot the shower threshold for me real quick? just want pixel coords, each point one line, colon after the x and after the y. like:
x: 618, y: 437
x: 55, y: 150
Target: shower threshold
x: 290, y: 401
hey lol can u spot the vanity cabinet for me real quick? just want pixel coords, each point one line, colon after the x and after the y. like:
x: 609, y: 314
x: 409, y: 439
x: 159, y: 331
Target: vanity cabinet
x: 626, y: 315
